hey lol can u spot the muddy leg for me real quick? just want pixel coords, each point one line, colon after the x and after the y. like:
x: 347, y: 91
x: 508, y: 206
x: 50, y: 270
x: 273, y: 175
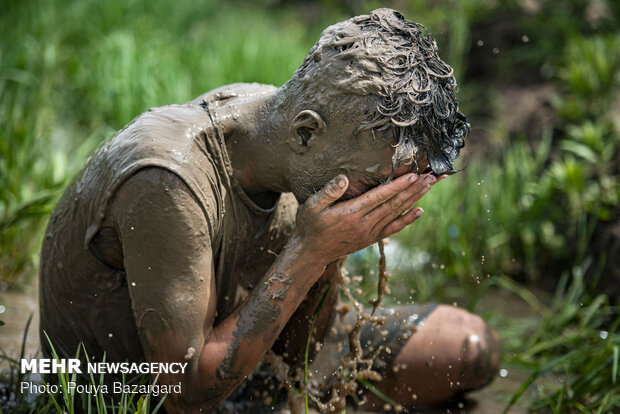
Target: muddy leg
x: 454, y: 351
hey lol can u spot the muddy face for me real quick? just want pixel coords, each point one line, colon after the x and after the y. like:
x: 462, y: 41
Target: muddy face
x: 364, y: 156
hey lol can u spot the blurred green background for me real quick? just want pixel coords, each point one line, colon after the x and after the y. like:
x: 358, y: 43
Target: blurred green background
x: 533, y: 217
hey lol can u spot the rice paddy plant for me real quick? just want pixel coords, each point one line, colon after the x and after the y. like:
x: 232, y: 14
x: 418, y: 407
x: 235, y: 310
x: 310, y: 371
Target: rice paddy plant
x: 572, y: 352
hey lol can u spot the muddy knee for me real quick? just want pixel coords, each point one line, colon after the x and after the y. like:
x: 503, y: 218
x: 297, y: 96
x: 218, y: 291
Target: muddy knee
x: 480, y: 352
x: 453, y: 351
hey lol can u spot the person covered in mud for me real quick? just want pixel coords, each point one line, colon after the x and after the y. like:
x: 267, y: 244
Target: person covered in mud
x: 214, y: 232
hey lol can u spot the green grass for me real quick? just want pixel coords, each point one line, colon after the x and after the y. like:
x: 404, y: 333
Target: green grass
x: 577, y: 341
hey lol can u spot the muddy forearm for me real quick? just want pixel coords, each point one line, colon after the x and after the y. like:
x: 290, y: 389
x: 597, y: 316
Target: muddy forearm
x: 319, y: 304
x: 238, y: 343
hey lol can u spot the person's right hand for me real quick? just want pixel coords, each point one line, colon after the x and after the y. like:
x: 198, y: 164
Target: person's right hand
x: 329, y: 231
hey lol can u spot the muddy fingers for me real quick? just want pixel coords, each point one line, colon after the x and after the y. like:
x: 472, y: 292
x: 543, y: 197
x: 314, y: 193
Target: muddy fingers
x: 370, y: 200
x: 397, y: 211
x: 402, y: 222
x: 332, y: 191
x: 396, y: 206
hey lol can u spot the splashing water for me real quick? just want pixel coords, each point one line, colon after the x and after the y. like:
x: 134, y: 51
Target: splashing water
x: 353, y: 367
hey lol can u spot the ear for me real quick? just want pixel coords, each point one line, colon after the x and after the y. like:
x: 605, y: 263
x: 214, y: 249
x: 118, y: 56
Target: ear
x: 306, y: 126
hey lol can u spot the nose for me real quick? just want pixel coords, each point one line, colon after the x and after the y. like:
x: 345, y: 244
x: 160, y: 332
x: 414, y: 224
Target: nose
x: 402, y: 170
x: 417, y: 168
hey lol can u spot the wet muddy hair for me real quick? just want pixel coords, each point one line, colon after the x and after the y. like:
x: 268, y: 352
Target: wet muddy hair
x: 383, y: 54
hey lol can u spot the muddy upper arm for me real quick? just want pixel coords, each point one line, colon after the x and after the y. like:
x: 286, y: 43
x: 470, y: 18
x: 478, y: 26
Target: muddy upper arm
x: 168, y: 262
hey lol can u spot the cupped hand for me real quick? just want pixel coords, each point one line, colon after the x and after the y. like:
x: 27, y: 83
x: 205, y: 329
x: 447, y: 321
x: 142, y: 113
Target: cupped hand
x: 331, y: 230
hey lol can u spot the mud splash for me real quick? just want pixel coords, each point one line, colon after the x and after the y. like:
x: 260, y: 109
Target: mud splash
x: 353, y: 367
x: 382, y: 286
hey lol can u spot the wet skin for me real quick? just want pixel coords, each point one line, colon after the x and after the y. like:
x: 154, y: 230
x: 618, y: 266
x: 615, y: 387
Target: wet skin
x: 226, y: 353
x: 176, y: 309
x: 454, y: 351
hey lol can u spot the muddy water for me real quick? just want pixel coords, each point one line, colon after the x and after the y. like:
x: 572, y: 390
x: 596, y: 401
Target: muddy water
x: 490, y: 400
x: 16, y: 308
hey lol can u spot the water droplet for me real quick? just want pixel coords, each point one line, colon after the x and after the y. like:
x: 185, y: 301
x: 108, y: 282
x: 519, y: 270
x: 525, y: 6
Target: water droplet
x: 602, y: 334
x: 190, y: 353
x: 411, y: 319
x: 503, y: 373
x: 2, y: 308
x: 480, y: 43
x: 453, y: 231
